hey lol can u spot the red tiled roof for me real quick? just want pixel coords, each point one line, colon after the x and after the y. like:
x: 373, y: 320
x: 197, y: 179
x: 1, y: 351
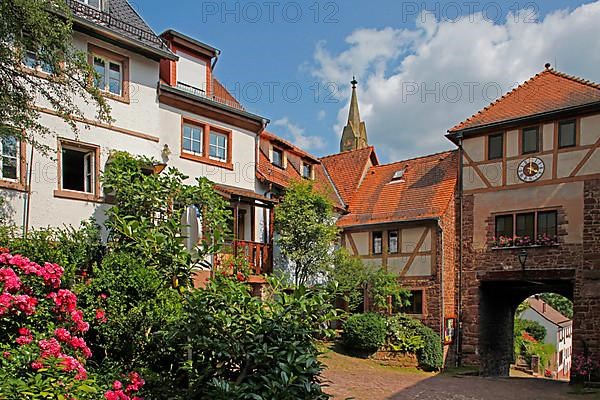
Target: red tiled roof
x: 347, y: 169
x: 426, y: 190
x: 551, y: 314
x: 282, y: 177
x: 547, y: 91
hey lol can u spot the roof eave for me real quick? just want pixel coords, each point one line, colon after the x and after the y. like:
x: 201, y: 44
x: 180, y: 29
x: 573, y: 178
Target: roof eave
x: 454, y: 134
x: 213, y: 51
x: 85, y: 26
x: 359, y: 225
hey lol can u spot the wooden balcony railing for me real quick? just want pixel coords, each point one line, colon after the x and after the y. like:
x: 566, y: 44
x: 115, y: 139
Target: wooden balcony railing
x: 259, y: 255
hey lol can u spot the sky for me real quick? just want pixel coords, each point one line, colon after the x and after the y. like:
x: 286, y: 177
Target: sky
x: 422, y: 66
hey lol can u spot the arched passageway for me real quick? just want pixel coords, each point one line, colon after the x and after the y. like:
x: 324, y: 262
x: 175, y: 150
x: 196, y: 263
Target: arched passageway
x: 499, y: 299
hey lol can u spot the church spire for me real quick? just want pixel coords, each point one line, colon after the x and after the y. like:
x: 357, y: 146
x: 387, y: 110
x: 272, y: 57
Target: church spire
x: 354, y: 135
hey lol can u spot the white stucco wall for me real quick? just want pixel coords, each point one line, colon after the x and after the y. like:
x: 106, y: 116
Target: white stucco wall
x: 143, y: 115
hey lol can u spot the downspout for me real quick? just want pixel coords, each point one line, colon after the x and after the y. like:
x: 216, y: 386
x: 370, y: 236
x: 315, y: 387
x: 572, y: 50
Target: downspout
x: 442, y: 302
x: 459, y: 136
x: 28, y: 201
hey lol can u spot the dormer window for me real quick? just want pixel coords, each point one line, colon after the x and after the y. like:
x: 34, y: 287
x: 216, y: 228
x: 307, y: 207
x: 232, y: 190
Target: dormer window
x: 307, y: 171
x: 97, y: 4
x: 277, y: 158
x: 398, y: 176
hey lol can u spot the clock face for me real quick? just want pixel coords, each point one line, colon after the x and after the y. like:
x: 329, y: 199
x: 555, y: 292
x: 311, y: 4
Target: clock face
x: 531, y: 169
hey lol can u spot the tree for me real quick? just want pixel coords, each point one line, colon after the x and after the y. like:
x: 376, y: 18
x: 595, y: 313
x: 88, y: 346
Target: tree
x: 559, y: 303
x: 306, y: 230
x: 38, y: 34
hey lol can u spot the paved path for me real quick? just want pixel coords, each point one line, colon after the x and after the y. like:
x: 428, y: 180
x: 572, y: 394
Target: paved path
x: 359, y: 379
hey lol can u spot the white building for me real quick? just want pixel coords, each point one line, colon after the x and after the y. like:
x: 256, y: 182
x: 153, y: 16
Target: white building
x: 166, y: 104
x: 559, y: 330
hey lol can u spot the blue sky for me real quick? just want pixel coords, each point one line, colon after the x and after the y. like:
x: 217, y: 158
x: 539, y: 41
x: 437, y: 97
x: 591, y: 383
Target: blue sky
x: 291, y: 61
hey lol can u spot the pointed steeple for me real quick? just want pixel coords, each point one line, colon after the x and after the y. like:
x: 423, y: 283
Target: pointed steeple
x: 354, y: 135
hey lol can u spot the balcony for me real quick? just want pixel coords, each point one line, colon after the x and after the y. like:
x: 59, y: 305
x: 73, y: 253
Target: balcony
x: 258, y: 255
x: 202, y: 93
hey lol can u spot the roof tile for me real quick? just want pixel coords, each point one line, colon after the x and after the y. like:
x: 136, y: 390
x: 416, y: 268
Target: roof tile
x: 425, y: 191
x: 547, y: 91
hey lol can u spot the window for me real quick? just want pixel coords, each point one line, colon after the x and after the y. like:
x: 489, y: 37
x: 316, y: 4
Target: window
x: 567, y: 134
x: 78, y: 167
x: 92, y: 3
x: 377, y: 242
x: 192, y: 138
x: 398, y: 176
x: 306, y: 171
x: 110, y: 76
x: 10, y: 158
x: 547, y: 224
x: 504, y: 226
x: 530, y: 140
x: 277, y: 158
x: 525, y: 225
x: 112, y: 71
x: 392, y: 242
x: 495, y: 146
x: 218, y: 146
x: 416, y: 303
x: 530, y: 228
x: 30, y: 60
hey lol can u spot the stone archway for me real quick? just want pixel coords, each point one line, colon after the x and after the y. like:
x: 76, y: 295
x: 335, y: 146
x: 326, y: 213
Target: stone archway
x: 500, y: 293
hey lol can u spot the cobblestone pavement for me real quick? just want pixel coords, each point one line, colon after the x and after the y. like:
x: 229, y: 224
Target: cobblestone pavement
x: 359, y: 379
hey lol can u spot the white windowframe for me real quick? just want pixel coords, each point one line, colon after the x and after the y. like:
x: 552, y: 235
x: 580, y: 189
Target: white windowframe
x: 16, y: 157
x: 87, y: 3
x: 217, y: 147
x: 107, y: 64
x: 192, y: 140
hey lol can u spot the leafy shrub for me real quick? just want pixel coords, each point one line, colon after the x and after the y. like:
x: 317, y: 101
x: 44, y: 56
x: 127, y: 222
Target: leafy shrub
x: 133, y: 310
x: 364, y: 332
x: 534, y: 328
x: 243, y: 347
x: 410, y: 335
x: 431, y: 356
x: 76, y: 250
x: 403, y: 334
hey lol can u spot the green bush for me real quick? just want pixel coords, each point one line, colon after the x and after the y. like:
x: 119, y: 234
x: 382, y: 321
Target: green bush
x: 534, y: 328
x: 242, y: 347
x: 141, y: 311
x: 431, y: 356
x: 364, y: 332
x: 409, y: 335
x: 403, y: 334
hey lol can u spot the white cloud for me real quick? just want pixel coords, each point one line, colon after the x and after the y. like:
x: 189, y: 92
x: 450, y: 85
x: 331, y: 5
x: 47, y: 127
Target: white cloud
x: 321, y: 115
x: 416, y: 84
x: 297, y: 135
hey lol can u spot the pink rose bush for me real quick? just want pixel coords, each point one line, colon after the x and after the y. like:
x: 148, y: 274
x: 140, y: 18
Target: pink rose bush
x: 41, y: 333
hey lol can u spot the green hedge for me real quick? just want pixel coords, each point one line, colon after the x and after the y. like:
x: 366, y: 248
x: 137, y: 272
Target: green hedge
x: 364, y: 332
x: 370, y: 332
